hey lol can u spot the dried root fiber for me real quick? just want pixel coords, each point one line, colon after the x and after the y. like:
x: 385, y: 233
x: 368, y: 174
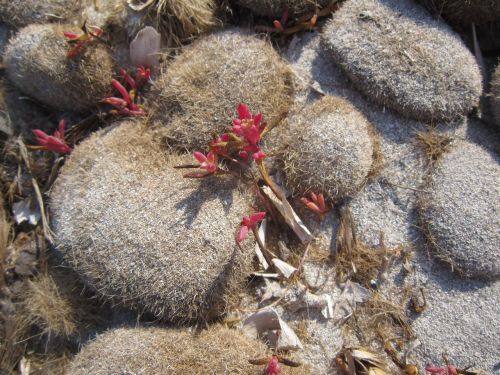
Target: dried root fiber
x: 199, y: 92
x: 329, y: 148
x: 156, y: 351
x: 36, y: 63
x: 141, y: 234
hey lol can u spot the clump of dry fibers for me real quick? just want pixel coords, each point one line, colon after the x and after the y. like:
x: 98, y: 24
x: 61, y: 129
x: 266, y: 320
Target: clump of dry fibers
x: 329, y: 149
x: 139, y: 233
x: 36, y: 63
x: 198, y: 94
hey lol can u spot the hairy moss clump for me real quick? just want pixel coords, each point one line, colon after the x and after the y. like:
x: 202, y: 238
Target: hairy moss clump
x: 157, y: 351
x: 465, y: 12
x: 329, y: 148
x: 459, y: 212
x: 36, y: 63
x: 198, y: 94
x: 275, y: 8
x: 400, y: 57
x: 140, y: 234
x: 19, y: 13
x: 495, y: 95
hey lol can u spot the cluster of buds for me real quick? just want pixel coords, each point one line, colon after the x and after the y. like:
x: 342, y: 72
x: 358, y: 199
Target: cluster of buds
x: 79, y: 42
x: 126, y: 104
x: 243, y: 141
x: 316, y: 204
x: 249, y: 223
x: 55, y: 142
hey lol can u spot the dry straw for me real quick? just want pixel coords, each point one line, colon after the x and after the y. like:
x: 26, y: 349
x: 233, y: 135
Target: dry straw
x: 140, y: 234
x: 198, y: 94
x: 400, y: 57
x: 275, y: 8
x: 329, y: 148
x: 36, y: 62
x: 465, y: 12
x: 459, y: 213
x: 156, y: 351
x: 21, y: 13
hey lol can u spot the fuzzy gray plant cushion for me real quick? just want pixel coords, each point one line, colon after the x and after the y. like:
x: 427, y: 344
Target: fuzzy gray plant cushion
x: 399, y: 56
x: 19, y: 13
x: 495, y: 95
x: 465, y: 12
x: 275, y: 8
x: 139, y: 233
x: 36, y: 63
x: 461, y: 213
x: 329, y: 149
x: 200, y: 90
x: 157, y: 351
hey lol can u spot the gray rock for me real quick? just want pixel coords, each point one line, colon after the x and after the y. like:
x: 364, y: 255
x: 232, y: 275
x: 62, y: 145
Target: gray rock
x: 402, y: 58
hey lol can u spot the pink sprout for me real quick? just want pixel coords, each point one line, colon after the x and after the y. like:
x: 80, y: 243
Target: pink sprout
x: 55, y: 142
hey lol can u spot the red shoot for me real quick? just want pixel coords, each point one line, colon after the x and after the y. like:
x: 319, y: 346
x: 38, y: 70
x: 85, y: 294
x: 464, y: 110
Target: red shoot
x: 128, y: 78
x: 259, y: 155
x: 250, y: 128
x: 449, y: 370
x: 273, y: 367
x: 249, y: 223
x: 125, y: 105
x: 55, y: 142
x: 219, y: 143
x: 91, y: 33
x: 316, y: 204
x: 207, y: 162
x: 142, y: 76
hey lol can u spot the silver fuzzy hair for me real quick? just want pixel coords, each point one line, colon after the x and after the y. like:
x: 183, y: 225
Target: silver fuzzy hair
x: 36, y: 63
x: 141, y: 234
x: 19, y: 13
x: 274, y: 8
x: 198, y: 93
x: 329, y: 148
x: 495, y: 95
x: 460, y: 211
x: 399, y: 56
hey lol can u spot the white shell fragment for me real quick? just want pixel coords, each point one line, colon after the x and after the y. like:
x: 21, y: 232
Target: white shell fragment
x: 267, y: 323
x: 145, y: 47
x: 304, y: 299
x: 284, y: 268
